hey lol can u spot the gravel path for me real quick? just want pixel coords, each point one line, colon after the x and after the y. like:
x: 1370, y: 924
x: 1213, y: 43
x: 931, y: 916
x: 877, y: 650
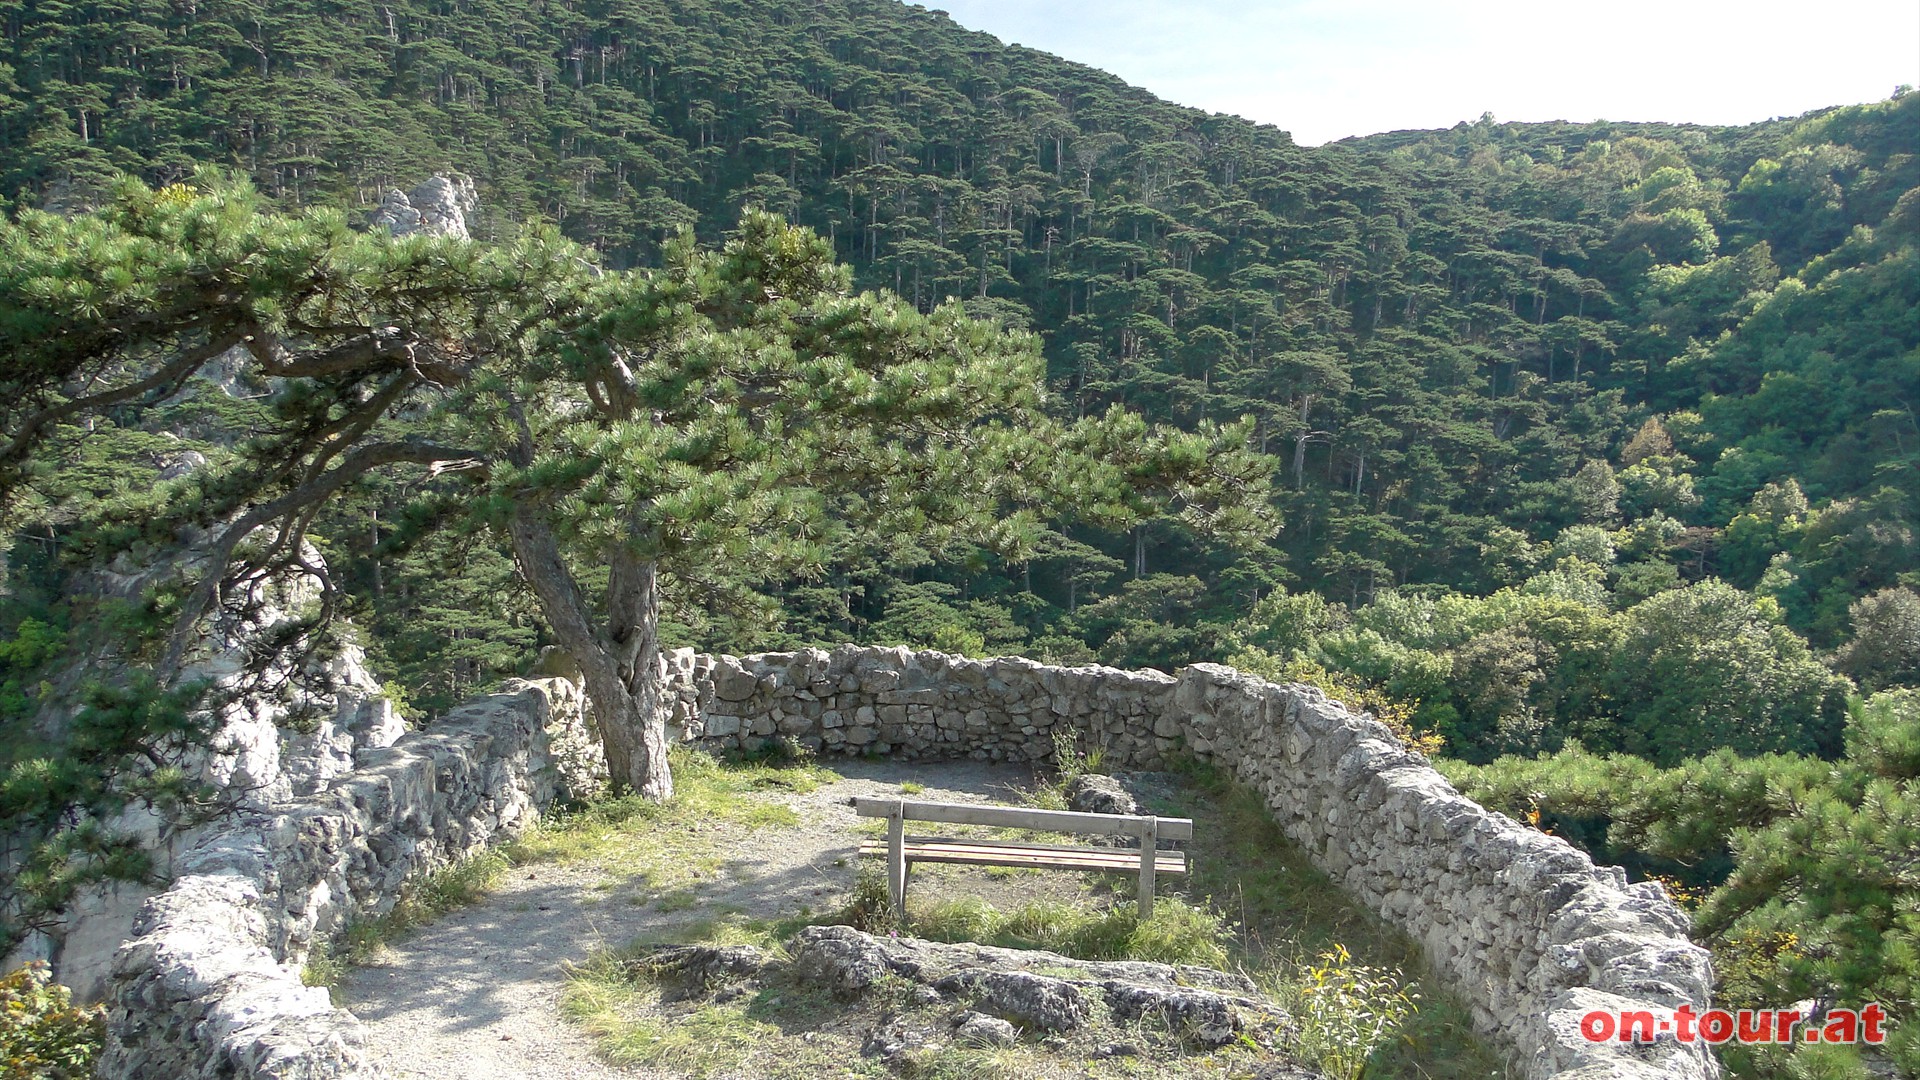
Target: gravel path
x: 475, y: 996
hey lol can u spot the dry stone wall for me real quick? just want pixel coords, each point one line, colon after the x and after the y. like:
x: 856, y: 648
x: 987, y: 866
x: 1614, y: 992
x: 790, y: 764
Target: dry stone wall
x: 209, y: 985
x: 1524, y: 926
x: 918, y: 705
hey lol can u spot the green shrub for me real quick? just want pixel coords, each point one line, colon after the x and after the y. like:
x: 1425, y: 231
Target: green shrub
x: 43, y: 1035
x: 1346, y: 1012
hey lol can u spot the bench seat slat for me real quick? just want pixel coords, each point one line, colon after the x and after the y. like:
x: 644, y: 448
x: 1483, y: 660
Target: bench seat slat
x: 1019, y: 817
x: 988, y: 853
x: 1132, y: 851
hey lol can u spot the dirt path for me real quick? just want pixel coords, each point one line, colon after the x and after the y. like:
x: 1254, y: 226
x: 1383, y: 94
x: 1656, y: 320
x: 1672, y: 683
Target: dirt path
x: 476, y: 995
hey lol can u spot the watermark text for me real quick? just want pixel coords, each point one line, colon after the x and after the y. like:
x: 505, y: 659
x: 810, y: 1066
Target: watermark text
x: 1866, y: 1025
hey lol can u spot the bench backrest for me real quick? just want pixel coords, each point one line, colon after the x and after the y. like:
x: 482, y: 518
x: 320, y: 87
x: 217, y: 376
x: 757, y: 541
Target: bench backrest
x: 1019, y: 817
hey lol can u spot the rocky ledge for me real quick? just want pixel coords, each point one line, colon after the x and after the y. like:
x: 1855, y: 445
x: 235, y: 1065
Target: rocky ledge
x: 977, y: 995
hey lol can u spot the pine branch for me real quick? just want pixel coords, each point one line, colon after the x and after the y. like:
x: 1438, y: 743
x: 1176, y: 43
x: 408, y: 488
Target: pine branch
x: 355, y: 465
x: 161, y: 384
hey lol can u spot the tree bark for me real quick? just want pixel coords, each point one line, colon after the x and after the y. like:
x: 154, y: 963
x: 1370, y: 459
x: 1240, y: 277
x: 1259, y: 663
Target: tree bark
x: 1300, y: 441
x: 619, y: 664
x: 633, y: 730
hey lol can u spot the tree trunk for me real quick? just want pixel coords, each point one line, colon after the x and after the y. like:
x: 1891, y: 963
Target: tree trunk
x: 632, y: 724
x: 1300, y: 442
x: 620, y: 663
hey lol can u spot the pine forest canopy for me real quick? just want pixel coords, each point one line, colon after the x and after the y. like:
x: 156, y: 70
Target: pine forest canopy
x: 1437, y: 332
x: 1674, y: 355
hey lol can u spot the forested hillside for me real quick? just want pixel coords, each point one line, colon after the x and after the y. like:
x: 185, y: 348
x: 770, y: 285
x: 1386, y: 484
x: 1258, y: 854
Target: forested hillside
x: 1596, y: 434
x: 1457, y: 345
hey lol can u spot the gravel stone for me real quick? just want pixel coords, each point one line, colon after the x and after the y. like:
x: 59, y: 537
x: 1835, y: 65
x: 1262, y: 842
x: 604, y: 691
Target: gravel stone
x: 978, y: 1029
x: 1092, y: 793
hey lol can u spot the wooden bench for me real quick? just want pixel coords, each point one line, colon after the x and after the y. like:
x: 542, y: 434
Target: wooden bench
x: 902, y: 850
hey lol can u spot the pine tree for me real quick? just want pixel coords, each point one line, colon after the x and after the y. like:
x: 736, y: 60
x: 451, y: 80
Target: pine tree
x: 743, y: 405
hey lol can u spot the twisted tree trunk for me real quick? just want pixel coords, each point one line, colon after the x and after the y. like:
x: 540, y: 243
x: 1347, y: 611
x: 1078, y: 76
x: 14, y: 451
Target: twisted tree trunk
x: 633, y: 731
x: 619, y: 660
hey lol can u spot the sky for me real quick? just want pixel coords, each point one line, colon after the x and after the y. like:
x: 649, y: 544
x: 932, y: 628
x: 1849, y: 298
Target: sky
x: 1327, y: 69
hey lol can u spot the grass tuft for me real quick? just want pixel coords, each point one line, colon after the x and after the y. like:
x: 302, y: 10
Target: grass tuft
x: 448, y: 889
x: 869, y: 906
x: 966, y: 1063
x: 699, y: 1043
x: 1178, y: 933
x: 758, y: 1034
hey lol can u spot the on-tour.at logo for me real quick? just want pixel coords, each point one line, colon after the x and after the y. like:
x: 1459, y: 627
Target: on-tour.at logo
x: 1866, y: 1025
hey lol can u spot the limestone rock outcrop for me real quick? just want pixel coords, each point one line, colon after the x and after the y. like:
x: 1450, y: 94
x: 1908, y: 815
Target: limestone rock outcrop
x: 1006, y: 991
x: 436, y: 207
x: 266, y: 748
x: 1092, y: 793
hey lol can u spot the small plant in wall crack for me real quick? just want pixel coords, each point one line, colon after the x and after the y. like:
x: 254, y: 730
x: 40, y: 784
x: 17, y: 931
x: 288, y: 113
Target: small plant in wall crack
x: 1069, y: 760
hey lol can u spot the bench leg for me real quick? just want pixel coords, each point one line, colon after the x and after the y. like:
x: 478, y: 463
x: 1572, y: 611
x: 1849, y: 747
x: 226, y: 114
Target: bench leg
x: 897, y: 865
x: 1149, y: 852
